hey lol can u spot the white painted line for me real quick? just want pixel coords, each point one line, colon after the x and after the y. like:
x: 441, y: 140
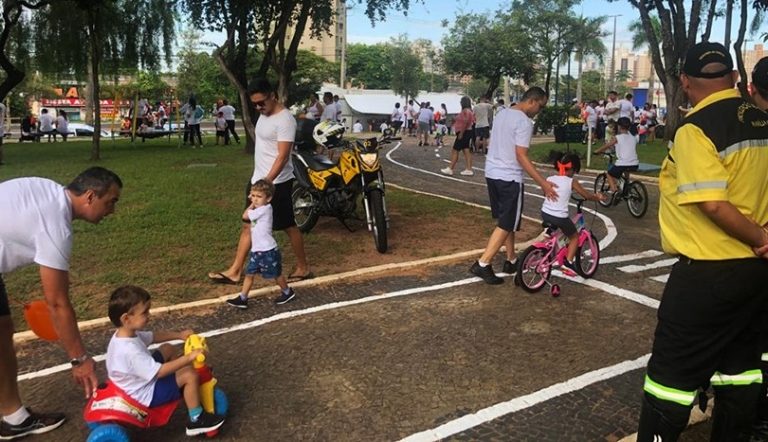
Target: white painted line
x: 279, y: 317
x: 661, y: 278
x: 654, y: 265
x: 521, y: 403
x: 630, y: 257
x: 613, y: 290
x: 610, y: 227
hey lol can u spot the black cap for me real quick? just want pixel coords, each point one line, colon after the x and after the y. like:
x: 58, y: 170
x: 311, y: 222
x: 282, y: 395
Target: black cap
x: 704, y: 53
x: 760, y: 74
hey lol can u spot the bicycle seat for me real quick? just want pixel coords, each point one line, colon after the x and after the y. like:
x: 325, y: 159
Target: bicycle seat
x: 548, y: 226
x: 316, y: 162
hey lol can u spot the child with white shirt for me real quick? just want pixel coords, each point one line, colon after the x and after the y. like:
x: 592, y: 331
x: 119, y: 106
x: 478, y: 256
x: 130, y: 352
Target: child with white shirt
x: 556, y: 212
x: 265, y: 256
x: 221, y: 129
x: 626, y: 152
x: 156, y: 378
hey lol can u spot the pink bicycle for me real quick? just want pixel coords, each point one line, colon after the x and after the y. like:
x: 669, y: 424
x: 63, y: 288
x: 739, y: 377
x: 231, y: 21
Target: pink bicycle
x: 536, y: 262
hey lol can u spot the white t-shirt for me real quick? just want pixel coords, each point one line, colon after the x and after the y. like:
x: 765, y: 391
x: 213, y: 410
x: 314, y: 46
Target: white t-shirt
x: 415, y: 109
x: 229, y: 112
x: 511, y: 128
x: 261, y: 229
x: 564, y: 187
x: 482, y: 111
x: 269, y: 131
x: 357, y: 127
x: 625, y: 109
x: 131, y: 367
x: 62, y: 125
x: 397, y: 115
x: 221, y: 124
x: 626, y: 150
x: 612, y: 110
x: 329, y: 113
x: 425, y: 115
x: 35, y: 225
x: 591, y: 117
x: 383, y: 127
x: 46, y: 122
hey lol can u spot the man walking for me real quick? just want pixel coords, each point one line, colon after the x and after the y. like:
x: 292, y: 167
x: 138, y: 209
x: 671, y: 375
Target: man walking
x: 229, y: 116
x: 275, y: 134
x: 483, y: 111
x: 36, y: 228
x: 712, y: 213
x: 507, y: 159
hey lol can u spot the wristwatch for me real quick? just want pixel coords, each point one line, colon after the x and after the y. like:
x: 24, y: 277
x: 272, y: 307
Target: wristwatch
x: 77, y: 361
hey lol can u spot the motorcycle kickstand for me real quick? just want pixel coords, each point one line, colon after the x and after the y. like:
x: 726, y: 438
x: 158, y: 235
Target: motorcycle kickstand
x: 344, y: 223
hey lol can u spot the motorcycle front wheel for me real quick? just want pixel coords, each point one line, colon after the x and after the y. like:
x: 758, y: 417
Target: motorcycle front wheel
x: 304, y: 208
x: 379, y: 218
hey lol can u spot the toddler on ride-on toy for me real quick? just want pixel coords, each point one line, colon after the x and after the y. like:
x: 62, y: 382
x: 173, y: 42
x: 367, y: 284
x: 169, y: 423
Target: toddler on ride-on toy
x: 555, y: 213
x: 158, y: 378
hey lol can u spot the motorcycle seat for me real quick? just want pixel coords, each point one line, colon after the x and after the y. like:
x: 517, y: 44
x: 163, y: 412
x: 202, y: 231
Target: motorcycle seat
x: 317, y: 162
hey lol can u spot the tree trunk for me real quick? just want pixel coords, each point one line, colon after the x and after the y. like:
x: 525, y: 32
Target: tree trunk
x: 493, y: 84
x: 728, y: 20
x: 88, y: 94
x: 245, y: 101
x: 675, y: 98
x: 710, y: 19
x: 737, y: 48
x: 95, y: 43
x: 13, y: 75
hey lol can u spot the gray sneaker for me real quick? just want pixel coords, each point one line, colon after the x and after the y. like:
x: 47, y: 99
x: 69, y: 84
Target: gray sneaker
x: 485, y: 273
x: 36, y: 423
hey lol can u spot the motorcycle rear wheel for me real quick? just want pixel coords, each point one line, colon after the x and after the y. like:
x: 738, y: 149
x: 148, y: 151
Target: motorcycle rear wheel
x: 304, y: 208
x: 379, y: 218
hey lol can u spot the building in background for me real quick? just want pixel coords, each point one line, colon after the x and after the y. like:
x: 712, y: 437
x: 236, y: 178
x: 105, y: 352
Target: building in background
x: 330, y: 45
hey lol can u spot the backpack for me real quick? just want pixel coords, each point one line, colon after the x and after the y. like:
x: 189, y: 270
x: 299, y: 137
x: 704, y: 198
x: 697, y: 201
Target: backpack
x: 198, y: 113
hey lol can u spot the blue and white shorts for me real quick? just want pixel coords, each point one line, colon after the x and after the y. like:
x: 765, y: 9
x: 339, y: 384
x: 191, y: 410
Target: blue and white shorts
x: 268, y: 263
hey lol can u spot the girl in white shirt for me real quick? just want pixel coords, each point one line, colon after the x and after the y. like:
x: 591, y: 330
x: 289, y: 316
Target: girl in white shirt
x: 555, y: 213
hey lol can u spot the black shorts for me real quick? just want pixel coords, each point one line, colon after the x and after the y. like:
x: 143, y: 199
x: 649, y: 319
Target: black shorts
x: 711, y: 319
x: 506, y: 203
x: 617, y: 171
x: 5, y: 309
x: 483, y: 132
x: 564, y: 224
x: 397, y: 124
x: 463, y: 142
x: 282, y: 205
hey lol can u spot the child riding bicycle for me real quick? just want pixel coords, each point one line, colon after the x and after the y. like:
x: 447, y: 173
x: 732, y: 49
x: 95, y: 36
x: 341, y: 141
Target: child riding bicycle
x: 626, y: 152
x: 555, y: 213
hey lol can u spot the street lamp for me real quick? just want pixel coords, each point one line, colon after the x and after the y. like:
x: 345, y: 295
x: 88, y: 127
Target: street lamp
x: 613, y: 52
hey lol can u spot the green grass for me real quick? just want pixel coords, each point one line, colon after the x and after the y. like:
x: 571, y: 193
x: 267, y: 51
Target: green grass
x: 175, y: 223
x: 651, y: 153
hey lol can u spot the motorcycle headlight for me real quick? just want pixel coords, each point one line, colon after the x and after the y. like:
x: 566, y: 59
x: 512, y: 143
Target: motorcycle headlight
x: 369, y: 158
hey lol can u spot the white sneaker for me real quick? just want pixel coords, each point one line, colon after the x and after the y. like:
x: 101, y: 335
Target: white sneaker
x: 467, y: 172
x: 446, y: 171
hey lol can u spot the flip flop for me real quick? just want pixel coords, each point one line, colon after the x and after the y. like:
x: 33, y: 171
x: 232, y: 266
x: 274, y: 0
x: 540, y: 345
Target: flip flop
x: 296, y: 278
x: 220, y: 278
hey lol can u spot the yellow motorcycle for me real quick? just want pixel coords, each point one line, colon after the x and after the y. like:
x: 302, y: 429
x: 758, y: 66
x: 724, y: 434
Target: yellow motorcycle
x: 326, y: 187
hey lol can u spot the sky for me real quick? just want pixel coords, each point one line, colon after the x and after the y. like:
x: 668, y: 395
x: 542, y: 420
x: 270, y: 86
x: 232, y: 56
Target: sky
x: 424, y: 20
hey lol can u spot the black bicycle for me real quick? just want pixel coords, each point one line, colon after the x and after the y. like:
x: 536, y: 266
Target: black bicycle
x: 633, y: 192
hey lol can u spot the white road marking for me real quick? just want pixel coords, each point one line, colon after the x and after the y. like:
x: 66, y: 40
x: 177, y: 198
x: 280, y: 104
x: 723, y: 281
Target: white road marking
x: 661, y: 278
x: 610, y: 227
x: 521, y: 403
x: 630, y: 257
x: 654, y: 265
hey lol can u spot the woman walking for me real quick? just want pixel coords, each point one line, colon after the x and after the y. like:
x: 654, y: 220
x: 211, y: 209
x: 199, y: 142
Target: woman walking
x: 462, y: 126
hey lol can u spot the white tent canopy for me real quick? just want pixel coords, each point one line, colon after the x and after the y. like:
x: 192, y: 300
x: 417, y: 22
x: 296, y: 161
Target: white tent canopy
x: 383, y: 104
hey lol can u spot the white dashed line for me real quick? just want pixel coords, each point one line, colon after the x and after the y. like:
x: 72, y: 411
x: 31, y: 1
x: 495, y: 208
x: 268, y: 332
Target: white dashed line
x: 634, y: 268
x: 630, y: 257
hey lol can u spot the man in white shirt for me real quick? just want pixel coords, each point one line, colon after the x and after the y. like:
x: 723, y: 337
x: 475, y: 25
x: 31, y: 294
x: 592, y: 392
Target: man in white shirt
x: 482, y: 112
x: 626, y: 108
x: 611, y: 113
x: 591, y: 120
x: 425, y: 119
x: 357, y: 127
x: 275, y: 133
x: 46, y: 124
x: 40, y: 232
x: 329, y: 111
x: 507, y: 159
x: 229, y: 117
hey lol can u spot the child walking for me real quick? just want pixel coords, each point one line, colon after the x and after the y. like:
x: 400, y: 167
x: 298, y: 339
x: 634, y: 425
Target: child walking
x: 265, y: 256
x: 556, y: 212
x: 155, y: 378
x: 221, y: 129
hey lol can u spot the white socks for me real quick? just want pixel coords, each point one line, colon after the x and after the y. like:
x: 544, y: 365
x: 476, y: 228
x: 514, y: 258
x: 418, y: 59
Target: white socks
x: 482, y: 264
x: 17, y: 417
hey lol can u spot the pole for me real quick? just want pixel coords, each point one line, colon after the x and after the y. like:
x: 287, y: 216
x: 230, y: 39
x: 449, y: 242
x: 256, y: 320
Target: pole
x: 613, y: 54
x: 343, y: 18
x: 589, y: 145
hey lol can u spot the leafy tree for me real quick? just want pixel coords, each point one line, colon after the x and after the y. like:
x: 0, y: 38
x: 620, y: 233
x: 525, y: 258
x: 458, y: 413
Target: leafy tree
x: 476, y: 88
x: 488, y: 48
x: 623, y: 75
x: 592, y: 85
x: 199, y: 73
x: 406, y: 67
x: 369, y: 65
x: 589, y: 42
x: 312, y: 70
x: 432, y: 82
x: 14, y: 38
x: 119, y: 35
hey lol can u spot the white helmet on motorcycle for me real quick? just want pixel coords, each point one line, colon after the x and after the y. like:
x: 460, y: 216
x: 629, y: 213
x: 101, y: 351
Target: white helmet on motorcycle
x: 328, y: 133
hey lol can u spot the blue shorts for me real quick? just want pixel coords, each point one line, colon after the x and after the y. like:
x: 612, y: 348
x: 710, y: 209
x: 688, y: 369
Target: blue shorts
x: 617, y: 171
x: 166, y: 388
x: 269, y: 264
x: 506, y: 203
